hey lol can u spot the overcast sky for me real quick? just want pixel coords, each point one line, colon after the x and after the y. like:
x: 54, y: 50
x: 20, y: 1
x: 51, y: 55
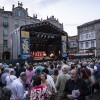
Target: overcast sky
x: 71, y: 13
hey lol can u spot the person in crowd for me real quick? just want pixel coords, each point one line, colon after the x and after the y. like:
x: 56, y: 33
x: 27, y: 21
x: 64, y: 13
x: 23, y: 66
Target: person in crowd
x: 61, y: 80
x: 38, y: 91
x: 29, y: 73
x: 45, y: 83
x: 85, y: 73
x: 55, y: 75
x: 19, y: 69
x: 11, y: 77
x: 16, y: 68
x: 59, y: 69
x: 97, y: 72
x: 75, y: 88
x: 91, y: 67
x: 4, y: 75
x: 51, y: 69
x: 40, y: 66
x: 49, y: 78
x: 18, y: 87
x: 1, y: 68
x: 6, y: 93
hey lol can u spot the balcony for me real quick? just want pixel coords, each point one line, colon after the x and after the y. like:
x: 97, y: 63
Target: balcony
x: 5, y: 24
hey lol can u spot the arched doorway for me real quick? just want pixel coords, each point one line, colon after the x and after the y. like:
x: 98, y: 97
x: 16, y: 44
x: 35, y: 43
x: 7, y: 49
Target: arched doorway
x: 6, y: 55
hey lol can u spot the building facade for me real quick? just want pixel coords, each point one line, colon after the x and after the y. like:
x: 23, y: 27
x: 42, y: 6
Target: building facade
x: 55, y: 22
x: 11, y: 20
x: 73, y: 44
x: 89, y: 38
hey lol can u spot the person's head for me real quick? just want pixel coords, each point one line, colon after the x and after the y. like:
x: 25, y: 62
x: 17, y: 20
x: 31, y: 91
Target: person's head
x: 65, y: 69
x: 36, y: 81
x: 74, y: 74
x: 23, y: 76
x: 51, y: 66
x: 43, y: 76
x: 56, y: 72
x: 6, y: 93
x: 84, y: 64
x: 6, y: 70
x: 45, y: 70
x: 72, y: 66
x: 17, y: 64
x: 12, y: 72
x: 30, y: 67
x: 59, y: 67
x: 38, y: 71
x: 22, y: 64
x: 10, y: 66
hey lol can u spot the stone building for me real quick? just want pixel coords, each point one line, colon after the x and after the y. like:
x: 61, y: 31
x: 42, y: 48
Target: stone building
x: 11, y: 20
x: 89, y: 37
x: 73, y: 44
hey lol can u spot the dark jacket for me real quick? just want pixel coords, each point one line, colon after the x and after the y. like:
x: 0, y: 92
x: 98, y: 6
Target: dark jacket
x: 74, y: 85
x: 97, y: 74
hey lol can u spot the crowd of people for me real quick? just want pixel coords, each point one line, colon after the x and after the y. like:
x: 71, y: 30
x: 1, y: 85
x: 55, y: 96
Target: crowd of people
x: 68, y: 79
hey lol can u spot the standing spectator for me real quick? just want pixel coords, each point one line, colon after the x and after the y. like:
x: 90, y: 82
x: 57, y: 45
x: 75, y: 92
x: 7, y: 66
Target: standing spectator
x: 49, y: 79
x: 61, y: 81
x: 85, y: 72
x: 6, y: 93
x: 97, y: 72
x: 51, y: 69
x: 16, y: 68
x: 44, y: 81
x: 4, y: 75
x: 18, y: 87
x: 10, y: 78
x: 19, y: 69
x: 75, y: 88
x: 38, y: 91
x: 29, y: 74
x: 55, y: 75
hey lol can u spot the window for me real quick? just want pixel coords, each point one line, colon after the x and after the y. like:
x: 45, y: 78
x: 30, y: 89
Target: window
x: 87, y: 44
x: 81, y: 45
x: 91, y: 27
x: 92, y: 43
x: 16, y: 22
x: 5, y: 31
x: 5, y: 42
x: 86, y: 36
x: 81, y: 37
x: 86, y: 28
x: 5, y: 20
x: 20, y: 13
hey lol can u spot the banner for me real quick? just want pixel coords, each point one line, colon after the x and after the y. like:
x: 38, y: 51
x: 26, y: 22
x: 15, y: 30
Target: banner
x: 64, y: 46
x: 25, y: 44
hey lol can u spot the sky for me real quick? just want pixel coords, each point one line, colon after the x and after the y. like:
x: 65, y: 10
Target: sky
x: 71, y: 13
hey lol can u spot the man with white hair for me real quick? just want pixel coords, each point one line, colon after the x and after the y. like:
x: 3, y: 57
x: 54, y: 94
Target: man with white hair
x: 4, y: 75
x: 11, y: 77
x: 18, y: 87
x: 61, y: 81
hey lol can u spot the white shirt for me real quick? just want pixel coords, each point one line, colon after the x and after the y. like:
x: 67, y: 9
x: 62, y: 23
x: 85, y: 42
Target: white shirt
x: 95, y: 68
x: 18, y: 90
x: 10, y: 79
x: 51, y: 82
